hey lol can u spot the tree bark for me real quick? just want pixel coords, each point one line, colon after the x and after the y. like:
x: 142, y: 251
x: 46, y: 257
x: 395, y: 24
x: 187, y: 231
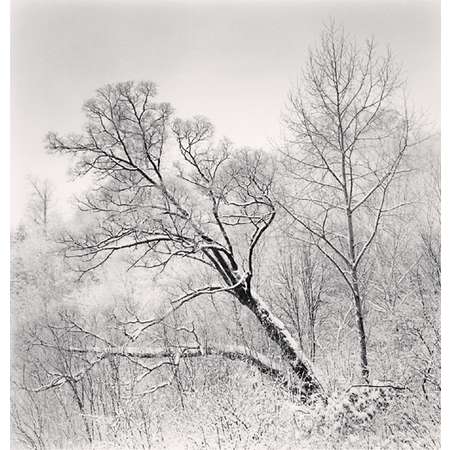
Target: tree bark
x: 279, y: 334
x: 362, y: 334
x: 232, y: 352
x: 357, y: 298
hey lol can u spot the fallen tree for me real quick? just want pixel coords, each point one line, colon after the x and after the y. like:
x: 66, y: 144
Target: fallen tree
x: 167, y: 356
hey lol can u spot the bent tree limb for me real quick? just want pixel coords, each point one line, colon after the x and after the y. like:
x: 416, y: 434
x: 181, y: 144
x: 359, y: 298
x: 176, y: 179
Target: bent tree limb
x: 170, y: 356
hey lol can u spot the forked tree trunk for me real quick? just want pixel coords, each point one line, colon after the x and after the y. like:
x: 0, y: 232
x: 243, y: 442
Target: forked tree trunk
x: 273, y: 326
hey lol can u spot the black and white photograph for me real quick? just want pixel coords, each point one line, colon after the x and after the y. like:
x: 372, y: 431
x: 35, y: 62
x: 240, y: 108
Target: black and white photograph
x: 225, y: 224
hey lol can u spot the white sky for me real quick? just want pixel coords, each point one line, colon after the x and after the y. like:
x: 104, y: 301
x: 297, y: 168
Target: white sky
x: 233, y: 62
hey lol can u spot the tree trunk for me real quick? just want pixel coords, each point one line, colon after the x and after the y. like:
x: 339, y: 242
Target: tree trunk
x: 357, y: 299
x: 82, y: 413
x: 232, y: 352
x: 361, y: 330
x: 290, y: 349
x: 312, y: 343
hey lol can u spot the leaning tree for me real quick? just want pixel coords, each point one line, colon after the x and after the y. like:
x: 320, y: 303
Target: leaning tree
x: 347, y: 134
x: 165, y: 192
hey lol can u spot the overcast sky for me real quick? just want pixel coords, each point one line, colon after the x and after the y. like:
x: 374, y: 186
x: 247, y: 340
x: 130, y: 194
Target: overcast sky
x: 233, y: 62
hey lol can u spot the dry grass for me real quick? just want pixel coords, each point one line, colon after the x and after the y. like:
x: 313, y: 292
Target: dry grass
x: 230, y: 407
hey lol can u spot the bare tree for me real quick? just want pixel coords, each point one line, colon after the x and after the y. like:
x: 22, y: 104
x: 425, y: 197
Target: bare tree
x: 299, y: 292
x: 40, y: 202
x: 211, y: 213
x: 347, y: 137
